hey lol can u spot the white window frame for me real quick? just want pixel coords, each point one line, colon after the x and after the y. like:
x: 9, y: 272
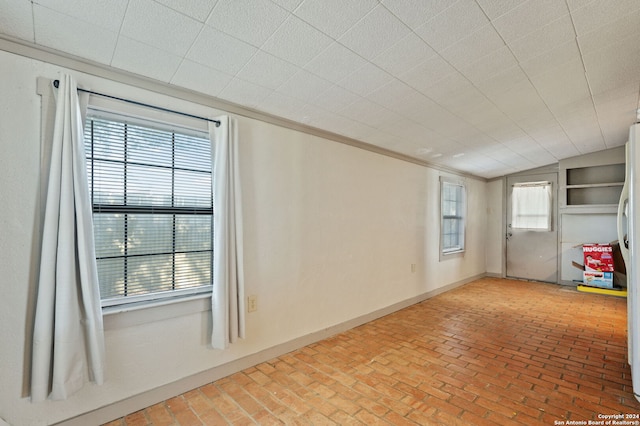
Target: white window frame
x: 461, y: 216
x: 138, y: 115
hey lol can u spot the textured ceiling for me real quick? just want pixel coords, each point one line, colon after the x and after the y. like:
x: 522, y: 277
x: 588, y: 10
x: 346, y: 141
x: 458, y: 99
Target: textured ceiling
x: 488, y: 87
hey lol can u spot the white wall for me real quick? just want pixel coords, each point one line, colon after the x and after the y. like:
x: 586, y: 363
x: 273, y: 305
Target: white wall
x: 331, y: 232
x: 495, y: 227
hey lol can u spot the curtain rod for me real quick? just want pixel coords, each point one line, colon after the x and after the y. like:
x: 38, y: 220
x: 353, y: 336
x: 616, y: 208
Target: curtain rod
x: 531, y: 184
x: 56, y: 83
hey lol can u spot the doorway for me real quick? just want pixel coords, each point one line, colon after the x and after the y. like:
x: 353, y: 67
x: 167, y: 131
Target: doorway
x: 532, y: 227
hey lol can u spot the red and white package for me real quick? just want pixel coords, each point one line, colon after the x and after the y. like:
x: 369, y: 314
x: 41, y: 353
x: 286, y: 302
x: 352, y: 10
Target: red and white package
x: 598, y: 257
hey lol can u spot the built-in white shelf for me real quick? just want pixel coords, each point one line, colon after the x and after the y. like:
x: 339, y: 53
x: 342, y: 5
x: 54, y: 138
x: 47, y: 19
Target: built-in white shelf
x: 595, y: 185
x: 592, y: 185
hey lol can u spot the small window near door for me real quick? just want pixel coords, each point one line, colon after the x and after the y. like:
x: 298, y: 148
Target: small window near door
x: 531, y: 206
x: 452, y: 220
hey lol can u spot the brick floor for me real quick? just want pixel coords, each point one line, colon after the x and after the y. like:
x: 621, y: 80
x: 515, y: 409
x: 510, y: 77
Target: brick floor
x: 492, y: 352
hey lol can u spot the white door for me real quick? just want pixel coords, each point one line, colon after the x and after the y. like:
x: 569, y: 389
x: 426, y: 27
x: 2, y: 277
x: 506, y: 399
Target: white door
x: 532, y: 231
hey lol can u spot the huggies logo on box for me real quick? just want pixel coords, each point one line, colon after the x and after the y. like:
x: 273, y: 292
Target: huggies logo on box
x: 598, y: 257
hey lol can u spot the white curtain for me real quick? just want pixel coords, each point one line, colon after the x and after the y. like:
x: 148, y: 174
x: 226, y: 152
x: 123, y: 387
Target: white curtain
x: 228, y: 288
x: 531, y: 206
x: 68, y: 339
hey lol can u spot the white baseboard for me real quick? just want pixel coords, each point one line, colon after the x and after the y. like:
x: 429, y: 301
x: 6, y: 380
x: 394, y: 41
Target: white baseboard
x: 162, y: 393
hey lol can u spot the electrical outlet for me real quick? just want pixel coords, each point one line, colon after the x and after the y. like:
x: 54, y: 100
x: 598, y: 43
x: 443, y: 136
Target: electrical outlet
x: 252, y: 303
x: 413, y: 267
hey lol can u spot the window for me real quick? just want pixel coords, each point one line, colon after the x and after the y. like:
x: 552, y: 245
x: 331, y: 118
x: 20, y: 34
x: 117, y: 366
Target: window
x: 531, y: 206
x: 452, y: 198
x: 151, y: 192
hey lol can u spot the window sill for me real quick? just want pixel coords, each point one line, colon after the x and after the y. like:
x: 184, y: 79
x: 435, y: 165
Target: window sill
x: 123, y: 316
x: 451, y: 254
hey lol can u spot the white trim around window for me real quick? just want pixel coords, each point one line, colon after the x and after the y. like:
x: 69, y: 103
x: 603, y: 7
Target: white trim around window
x: 453, y: 215
x: 151, y: 192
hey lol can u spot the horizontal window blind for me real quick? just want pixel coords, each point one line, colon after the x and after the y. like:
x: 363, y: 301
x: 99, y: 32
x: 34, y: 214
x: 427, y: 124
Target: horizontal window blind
x: 151, y: 192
